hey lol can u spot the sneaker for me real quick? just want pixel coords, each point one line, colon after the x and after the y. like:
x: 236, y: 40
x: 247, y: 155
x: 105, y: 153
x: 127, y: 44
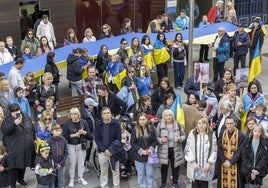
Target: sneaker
x: 163, y: 186
x: 124, y: 174
x: 22, y: 182
x: 71, y: 183
x: 82, y: 181
x: 176, y: 185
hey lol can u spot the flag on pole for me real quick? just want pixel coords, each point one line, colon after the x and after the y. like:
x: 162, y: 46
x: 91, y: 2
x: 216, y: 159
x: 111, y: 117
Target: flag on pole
x: 255, y: 67
x: 178, y: 111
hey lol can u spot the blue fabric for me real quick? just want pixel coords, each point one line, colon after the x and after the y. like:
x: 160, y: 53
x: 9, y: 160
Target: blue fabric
x: 125, y: 95
x: 93, y: 48
x: 145, y: 174
x: 42, y: 135
x: 223, y: 49
x: 248, y: 102
x: 143, y: 85
x: 179, y: 72
x: 115, y: 68
x: 180, y: 22
x: 158, y: 44
x: 23, y: 103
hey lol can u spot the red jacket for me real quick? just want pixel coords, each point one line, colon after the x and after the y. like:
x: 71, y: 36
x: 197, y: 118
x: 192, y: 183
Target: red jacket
x: 212, y: 14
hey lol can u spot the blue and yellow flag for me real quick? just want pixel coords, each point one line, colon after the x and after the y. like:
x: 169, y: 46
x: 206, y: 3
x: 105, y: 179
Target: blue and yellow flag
x: 255, y: 68
x: 178, y: 111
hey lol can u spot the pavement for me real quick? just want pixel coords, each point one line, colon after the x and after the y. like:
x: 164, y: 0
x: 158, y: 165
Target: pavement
x: 92, y: 177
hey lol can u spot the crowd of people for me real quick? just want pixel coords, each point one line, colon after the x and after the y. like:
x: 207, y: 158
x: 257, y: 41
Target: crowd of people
x: 130, y: 121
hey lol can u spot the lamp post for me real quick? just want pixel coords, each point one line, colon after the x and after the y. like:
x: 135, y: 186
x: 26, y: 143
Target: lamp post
x: 190, y: 44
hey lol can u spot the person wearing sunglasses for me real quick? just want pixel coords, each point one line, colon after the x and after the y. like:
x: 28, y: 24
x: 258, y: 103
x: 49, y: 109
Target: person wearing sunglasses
x: 43, y: 128
x: 32, y: 41
x: 106, y: 32
x: 123, y: 51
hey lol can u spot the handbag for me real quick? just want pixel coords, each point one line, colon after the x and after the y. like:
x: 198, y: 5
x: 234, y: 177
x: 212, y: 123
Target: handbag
x: 153, y: 159
x: 199, y: 175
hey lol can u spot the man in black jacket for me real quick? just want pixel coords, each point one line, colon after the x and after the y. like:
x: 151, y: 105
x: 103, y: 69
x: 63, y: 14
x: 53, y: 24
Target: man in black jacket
x: 107, y: 131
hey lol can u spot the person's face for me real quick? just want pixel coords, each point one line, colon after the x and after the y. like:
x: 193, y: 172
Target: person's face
x: 9, y: 41
x: 257, y: 132
x: 227, y: 75
x: 27, y: 50
x: 182, y: 14
x: 101, y: 93
x: 104, y: 50
x: 223, y: 110
x: 128, y: 24
x: 165, y: 18
x: 47, y: 120
x: 5, y: 86
x: 164, y: 85
x: 91, y: 73
x: 208, y: 91
x: 251, y: 124
x: 170, y: 101
x: 201, y: 126
x: 240, y: 29
x: 147, y: 41
x: 45, y: 154
x: 16, y: 114
x: 205, y: 19
x: 253, y: 89
x: 2, y: 46
x: 161, y: 37
x: 20, y: 94
x: 127, y: 61
x: 220, y: 32
x: 230, y: 125
x: 106, y: 115
x: 143, y: 69
x: 74, y: 116
x: 178, y: 38
x: 259, y: 112
x: 90, y: 107
x: 30, y: 34
x: 131, y: 72
x: 135, y: 42
x: 45, y: 20
x: 29, y: 78
x: 56, y: 133
x: 232, y: 92
x: 105, y: 29
x: 49, y: 80
x: 44, y: 41
x: 20, y: 66
x: 148, y: 102
x: 168, y: 118
x: 72, y: 35
x: 49, y: 106
x: 124, y: 44
x: 142, y: 121
x: 192, y: 99
x: 114, y: 59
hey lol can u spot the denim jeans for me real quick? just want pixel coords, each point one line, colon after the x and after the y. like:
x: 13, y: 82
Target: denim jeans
x: 60, y: 177
x: 51, y: 185
x: 76, y: 88
x: 179, y: 72
x: 145, y: 174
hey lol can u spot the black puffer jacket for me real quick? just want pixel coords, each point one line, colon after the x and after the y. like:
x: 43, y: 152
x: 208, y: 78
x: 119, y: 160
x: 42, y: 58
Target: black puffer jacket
x: 53, y: 69
x: 74, y: 69
x: 248, y: 160
x: 102, y: 63
x: 45, y: 164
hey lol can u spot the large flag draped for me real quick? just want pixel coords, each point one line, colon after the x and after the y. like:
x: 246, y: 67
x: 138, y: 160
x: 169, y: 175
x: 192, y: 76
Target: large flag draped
x: 178, y: 111
x: 255, y: 67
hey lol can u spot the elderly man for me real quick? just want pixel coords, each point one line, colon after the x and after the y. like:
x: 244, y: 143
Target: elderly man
x: 241, y: 43
x: 229, y: 155
x: 5, y: 56
x: 155, y: 25
x: 91, y: 83
x: 220, y: 53
x: 45, y: 28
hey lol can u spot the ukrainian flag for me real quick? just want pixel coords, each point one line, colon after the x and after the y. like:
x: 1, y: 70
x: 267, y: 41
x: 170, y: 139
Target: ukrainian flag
x: 178, y: 111
x: 161, y: 54
x: 255, y: 68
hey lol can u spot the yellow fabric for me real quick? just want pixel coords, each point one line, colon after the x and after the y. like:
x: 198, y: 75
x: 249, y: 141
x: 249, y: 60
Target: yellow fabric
x: 117, y: 80
x: 243, y: 117
x: 38, y: 144
x: 149, y: 60
x: 229, y: 146
x: 84, y: 73
x: 161, y: 56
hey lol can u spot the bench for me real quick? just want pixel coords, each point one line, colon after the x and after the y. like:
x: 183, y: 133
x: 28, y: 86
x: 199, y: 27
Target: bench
x: 64, y: 106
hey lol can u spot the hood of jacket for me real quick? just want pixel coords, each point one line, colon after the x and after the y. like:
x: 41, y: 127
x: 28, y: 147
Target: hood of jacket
x: 72, y: 58
x: 15, y: 90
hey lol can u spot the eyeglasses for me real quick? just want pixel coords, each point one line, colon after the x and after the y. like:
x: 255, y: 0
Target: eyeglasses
x: 130, y: 71
x: 30, y: 33
x: 47, y: 119
x: 125, y: 43
x: 104, y: 28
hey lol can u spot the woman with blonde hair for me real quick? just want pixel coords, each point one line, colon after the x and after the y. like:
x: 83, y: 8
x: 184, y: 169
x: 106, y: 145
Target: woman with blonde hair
x: 77, y: 133
x: 249, y: 123
x: 143, y: 142
x: 201, y: 153
x: 46, y: 90
x: 170, y: 136
x: 255, y: 156
x: 89, y: 36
